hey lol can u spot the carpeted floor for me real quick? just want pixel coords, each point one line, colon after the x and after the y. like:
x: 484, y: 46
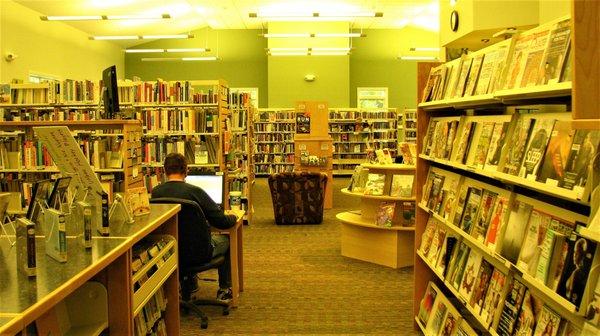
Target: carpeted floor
x: 296, y: 282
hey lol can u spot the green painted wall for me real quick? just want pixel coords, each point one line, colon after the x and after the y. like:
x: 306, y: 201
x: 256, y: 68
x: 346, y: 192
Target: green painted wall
x: 242, y: 63
x: 374, y: 63
x: 287, y: 84
x: 50, y: 48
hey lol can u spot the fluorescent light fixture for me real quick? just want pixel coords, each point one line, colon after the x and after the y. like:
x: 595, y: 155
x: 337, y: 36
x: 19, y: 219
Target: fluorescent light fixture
x: 315, y: 15
x: 289, y: 53
x: 71, y: 18
x: 280, y: 35
x: 138, y: 37
x: 425, y: 49
x: 207, y: 58
x: 103, y: 17
x: 289, y: 49
x: 339, y: 35
x: 329, y: 53
x: 176, y: 36
x: 418, y: 58
x: 133, y: 51
x: 171, y: 59
x: 187, y: 50
x: 346, y: 49
x: 115, y: 37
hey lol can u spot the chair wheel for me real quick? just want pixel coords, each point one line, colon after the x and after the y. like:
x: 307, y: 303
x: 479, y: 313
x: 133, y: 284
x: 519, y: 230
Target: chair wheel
x: 225, y: 311
x: 203, y: 325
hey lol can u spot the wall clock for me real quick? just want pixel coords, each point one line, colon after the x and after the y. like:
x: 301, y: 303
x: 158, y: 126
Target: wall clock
x: 454, y: 20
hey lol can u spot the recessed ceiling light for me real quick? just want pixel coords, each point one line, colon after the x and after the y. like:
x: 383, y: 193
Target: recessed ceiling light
x: 315, y: 15
x: 418, y: 58
x: 175, y: 36
x: 171, y: 59
x: 138, y: 37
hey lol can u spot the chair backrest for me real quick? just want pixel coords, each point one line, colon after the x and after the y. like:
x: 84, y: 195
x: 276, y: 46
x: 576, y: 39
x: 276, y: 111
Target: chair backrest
x: 193, y: 230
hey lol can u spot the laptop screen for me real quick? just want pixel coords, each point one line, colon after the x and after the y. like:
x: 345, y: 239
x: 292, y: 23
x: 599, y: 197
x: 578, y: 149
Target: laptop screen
x: 211, y: 184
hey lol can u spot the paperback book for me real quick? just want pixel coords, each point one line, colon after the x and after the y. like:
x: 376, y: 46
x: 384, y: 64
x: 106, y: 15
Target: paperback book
x: 465, y: 67
x: 581, y: 252
x: 375, y: 184
x: 516, y: 149
x: 385, y: 214
x: 450, y: 324
x: 533, y: 71
x: 551, y: 249
x: 471, y: 209
x: 470, y: 275
x: 548, y: 323
x: 496, y: 145
x: 493, y: 297
x: 464, y: 142
x: 426, y: 304
x: 436, y: 245
x: 515, y: 231
x: 402, y: 185
x: 529, y: 314
x: 482, y: 283
x: 512, y: 305
x: 536, y: 148
x: 553, y: 164
x: 483, y: 144
x: 534, y: 239
x: 427, y: 236
x: 583, y: 149
x: 556, y: 52
x: 473, y: 75
x: 488, y: 200
x: 460, y: 267
x: 445, y: 254
x: 499, y: 216
x: 435, y: 325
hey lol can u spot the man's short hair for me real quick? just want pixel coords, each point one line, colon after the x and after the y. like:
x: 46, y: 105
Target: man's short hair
x: 175, y: 163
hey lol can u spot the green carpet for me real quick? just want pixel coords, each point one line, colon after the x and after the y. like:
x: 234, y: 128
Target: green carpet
x: 296, y: 282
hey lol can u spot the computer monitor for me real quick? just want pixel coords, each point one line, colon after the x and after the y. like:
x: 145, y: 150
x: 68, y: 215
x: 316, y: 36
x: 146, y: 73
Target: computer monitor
x: 211, y: 184
x: 110, y: 93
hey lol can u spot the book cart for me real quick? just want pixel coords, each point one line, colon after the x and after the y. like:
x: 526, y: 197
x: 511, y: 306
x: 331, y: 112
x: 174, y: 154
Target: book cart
x: 362, y: 238
x: 483, y: 280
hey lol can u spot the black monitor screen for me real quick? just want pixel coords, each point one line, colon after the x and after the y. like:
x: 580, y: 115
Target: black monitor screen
x: 110, y: 94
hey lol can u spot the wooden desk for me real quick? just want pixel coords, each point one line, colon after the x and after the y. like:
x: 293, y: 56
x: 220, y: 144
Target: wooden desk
x: 24, y: 300
x: 236, y: 254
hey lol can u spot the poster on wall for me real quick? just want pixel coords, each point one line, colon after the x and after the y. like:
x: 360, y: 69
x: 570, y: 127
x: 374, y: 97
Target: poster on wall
x: 302, y: 123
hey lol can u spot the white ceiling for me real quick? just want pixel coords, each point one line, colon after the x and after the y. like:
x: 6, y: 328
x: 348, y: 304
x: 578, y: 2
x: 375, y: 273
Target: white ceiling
x: 188, y: 15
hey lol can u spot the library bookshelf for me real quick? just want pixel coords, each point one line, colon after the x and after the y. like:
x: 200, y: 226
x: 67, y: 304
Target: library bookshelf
x: 562, y: 204
x: 274, y: 131
x: 363, y: 239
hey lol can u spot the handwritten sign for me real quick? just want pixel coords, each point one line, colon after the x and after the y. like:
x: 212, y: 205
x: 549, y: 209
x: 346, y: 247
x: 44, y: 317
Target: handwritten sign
x: 69, y: 159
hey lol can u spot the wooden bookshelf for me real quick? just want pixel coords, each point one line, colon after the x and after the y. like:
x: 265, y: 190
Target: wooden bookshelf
x: 274, y: 131
x: 363, y: 239
x: 541, y: 195
x: 354, y: 131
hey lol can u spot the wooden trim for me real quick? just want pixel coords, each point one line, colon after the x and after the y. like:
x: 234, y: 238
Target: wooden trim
x: 120, y: 312
x: 586, y: 60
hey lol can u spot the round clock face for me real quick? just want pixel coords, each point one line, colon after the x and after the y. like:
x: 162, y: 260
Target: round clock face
x: 454, y: 20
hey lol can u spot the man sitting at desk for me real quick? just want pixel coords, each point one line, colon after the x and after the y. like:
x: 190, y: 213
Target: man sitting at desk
x: 207, y: 245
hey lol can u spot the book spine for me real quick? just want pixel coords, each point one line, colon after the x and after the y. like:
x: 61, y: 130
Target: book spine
x: 62, y: 236
x: 31, y: 261
x: 87, y: 227
x: 105, y: 227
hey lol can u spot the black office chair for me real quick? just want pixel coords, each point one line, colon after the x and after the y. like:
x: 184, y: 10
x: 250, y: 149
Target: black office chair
x: 190, y: 220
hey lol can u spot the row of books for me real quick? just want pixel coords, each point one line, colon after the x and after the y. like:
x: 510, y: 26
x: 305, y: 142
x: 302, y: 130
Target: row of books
x: 146, y: 252
x: 344, y: 148
x: 536, y: 57
x: 239, y: 118
x: 361, y: 114
x: 359, y: 137
x: 273, y: 168
x: 273, y: 158
x: 171, y: 92
x: 57, y: 114
x: 67, y: 91
x: 239, y: 99
x: 197, y: 150
x: 541, y: 147
x: 499, y: 300
x: 376, y: 184
x: 531, y: 235
x: 275, y: 127
x: 274, y: 137
x: 188, y: 120
x: 275, y: 115
x: 273, y: 148
x: 392, y: 213
x: 150, y: 320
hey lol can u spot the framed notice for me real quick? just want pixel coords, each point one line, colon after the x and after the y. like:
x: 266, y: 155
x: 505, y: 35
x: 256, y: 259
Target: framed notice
x: 302, y: 123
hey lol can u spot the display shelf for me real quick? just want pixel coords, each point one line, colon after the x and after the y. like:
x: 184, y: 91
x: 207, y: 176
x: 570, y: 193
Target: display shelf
x: 87, y: 330
x: 487, y: 99
x: 394, y: 166
x: 145, y: 292
x: 569, y: 195
x: 562, y: 89
x: 589, y: 234
x: 375, y: 197
x: 420, y: 325
x: 355, y: 219
x: 174, y: 105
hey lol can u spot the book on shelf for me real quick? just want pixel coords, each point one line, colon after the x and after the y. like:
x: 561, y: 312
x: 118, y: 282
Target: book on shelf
x: 548, y: 323
x: 584, y: 147
x: 514, y: 234
x: 437, y: 316
x: 497, y: 142
x: 427, y: 236
x: 484, y: 217
x: 483, y: 137
x: 470, y: 275
x: 25, y: 246
x: 375, y: 184
x: 457, y: 265
x: 426, y: 304
x: 497, y: 222
x: 512, y: 305
x: 463, y: 76
x: 436, y: 245
x: 409, y: 152
x: 408, y: 213
x: 531, y: 249
x: 551, y: 249
x: 471, y: 210
x: 482, y: 282
x: 385, y: 214
x: 473, y: 75
x: 516, y: 145
x: 453, y: 72
x: 450, y: 323
x: 578, y: 264
x: 516, y: 66
x: 493, y: 297
x: 529, y: 314
x: 556, y: 52
x: 464, y: 329
x: 554, y: 162
x: 536, y: 147
x: 464, y: 142
x: 533, y: 72
x: 402, y: 185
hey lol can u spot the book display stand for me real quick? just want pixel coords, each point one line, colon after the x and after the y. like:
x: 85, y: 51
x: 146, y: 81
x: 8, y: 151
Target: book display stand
x: 382, y: 231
